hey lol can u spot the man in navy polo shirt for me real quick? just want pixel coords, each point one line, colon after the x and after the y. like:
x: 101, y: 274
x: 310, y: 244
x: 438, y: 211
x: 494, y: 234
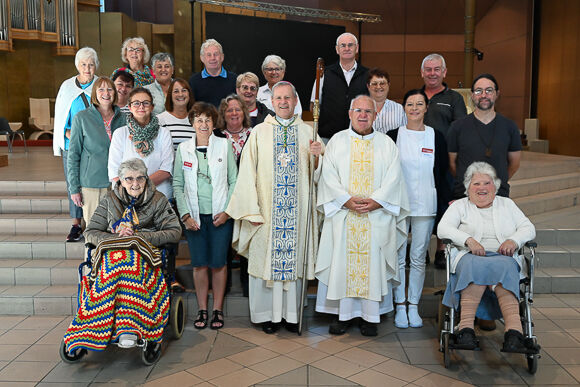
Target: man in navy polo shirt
x: 214, y: 82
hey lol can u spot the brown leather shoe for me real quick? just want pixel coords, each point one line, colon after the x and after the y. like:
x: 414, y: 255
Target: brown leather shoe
x: 486, y: 325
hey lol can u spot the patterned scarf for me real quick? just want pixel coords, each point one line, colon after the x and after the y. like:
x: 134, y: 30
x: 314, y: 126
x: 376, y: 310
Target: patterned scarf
x: 129, y: 218
x: 238, y: 144
x: 143, y: 136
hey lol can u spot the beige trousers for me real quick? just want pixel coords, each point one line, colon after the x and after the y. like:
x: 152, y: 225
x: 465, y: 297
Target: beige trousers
x: 91, y: 199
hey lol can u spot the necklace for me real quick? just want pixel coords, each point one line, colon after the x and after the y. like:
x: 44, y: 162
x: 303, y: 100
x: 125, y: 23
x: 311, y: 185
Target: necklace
x: 487, y: 144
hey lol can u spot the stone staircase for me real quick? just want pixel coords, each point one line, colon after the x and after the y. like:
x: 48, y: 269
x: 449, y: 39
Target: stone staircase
x: 38, y: 270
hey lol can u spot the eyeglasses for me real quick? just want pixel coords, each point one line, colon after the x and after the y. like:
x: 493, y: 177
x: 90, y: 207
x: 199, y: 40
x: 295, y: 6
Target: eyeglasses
x: 345, y: 45
x: 367, y: 111
x: 272, y: 69
x: 131, y: 179
x: 488, y: 91
x: 246, y: 88
x: 135, y: 104
x: 375, y: 84
x: 134, y: 49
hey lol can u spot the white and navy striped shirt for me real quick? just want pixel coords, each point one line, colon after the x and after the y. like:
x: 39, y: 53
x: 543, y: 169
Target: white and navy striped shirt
x: 180, y: 128
x: 391, y: 116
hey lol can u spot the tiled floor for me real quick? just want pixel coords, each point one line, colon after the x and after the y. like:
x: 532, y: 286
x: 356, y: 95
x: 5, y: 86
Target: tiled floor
x: 242, y: 355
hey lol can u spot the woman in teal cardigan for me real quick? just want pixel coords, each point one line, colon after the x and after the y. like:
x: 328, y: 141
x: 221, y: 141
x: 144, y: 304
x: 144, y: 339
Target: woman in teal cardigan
x: 88, y: 152
x: 204, y: 175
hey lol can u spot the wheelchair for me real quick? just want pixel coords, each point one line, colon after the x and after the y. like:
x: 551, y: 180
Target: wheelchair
x: 150, y: 352
x: 447, y: 316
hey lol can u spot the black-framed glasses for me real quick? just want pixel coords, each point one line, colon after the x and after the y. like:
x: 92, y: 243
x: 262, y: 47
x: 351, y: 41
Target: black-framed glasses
x: 145, y: 104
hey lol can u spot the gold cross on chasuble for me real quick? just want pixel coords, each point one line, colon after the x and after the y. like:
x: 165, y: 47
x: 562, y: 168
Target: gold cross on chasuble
x: 358, y: 227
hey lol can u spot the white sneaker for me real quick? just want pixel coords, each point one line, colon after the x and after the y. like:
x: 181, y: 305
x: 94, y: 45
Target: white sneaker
x: 401, y: 320
x: 127, y: 340
x: 415, y: 320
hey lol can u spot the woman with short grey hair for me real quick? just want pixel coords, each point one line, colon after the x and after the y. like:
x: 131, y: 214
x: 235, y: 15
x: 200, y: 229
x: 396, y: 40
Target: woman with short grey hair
x: 481, y: 168
x: 484, y: 265
x: 130, y: 224
x: 163, y: 68
x: 135, y: 54
x: 274, y: 69
x: 73, y: 96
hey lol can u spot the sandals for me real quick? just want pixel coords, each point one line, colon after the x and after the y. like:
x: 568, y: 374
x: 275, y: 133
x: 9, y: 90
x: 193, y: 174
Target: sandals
x: 201, y: 319
x: 217, y: 320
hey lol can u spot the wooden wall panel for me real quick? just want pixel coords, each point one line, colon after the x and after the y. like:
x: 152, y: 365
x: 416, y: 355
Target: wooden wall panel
x: 558, y: 78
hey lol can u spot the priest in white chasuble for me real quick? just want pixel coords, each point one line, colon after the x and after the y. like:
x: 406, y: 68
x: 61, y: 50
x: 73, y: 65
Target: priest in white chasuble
x: 270, y: 204
x: 363, y: 197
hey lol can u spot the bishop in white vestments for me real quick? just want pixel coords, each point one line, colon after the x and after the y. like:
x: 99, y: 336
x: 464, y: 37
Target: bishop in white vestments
x: 363, y: 197
x: 270, y: 203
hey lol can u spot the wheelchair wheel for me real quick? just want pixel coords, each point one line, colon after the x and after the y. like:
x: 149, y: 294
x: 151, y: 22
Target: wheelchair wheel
x: 532, y: 363
x: 151, y: 353
x: 177, y: 317
x: 71, y: 358
x: 446, y: 353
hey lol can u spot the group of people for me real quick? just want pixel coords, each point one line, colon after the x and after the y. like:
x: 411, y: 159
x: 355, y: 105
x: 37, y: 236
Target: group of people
x: 238, y: 167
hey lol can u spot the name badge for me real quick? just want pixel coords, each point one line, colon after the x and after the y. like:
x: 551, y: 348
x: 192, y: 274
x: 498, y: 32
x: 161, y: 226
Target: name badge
x: 427, y: 150
x: 187, y: 165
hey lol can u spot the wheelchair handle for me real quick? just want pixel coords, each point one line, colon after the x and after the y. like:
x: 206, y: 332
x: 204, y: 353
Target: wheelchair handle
x: 531, y: 244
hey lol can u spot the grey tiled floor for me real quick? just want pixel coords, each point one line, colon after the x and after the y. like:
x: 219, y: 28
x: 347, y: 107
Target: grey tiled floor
x: 242, y: 355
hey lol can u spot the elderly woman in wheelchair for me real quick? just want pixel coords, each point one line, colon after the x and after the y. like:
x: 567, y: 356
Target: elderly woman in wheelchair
x: 125, y: 298
x: 486, y: 232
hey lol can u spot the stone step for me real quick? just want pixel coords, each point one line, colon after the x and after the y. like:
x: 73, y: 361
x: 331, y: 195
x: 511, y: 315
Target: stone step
x: 550, y: 201
x: 538, y: 165
x: 533, y: 186
x: 26, y: 246
x: 26, y: 188
x: 555, y: 236
x: 41, y: 224
x: 37, y: 204
x: 551, y: 256
x: 54, y: 246
x: 38, y: 272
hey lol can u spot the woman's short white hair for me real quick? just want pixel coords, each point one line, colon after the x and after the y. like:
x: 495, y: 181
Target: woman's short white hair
x: 278, y: 61
x: 139, y: 41
x: 482, y: 168
x: 87, y: 53
x: 135, y: 165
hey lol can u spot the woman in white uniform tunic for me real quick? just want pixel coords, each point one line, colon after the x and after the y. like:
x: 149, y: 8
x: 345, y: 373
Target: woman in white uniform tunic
x: 423, y: 155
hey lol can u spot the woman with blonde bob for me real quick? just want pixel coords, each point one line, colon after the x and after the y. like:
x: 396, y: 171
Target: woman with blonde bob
x: 487, y: 231
x: 136, y: 55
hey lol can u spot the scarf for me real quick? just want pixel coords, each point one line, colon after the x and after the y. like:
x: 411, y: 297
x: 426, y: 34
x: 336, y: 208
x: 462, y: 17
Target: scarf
x: 143, y: 136
x: 129, y: 218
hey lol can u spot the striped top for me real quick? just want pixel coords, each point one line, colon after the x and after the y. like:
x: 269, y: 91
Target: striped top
x: 180, y: 128
x: 391, y: 116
